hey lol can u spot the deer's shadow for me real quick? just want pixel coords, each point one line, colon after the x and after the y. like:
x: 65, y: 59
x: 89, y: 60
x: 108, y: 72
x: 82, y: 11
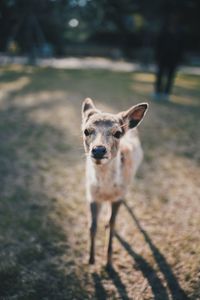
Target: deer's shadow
x: 158, y: 289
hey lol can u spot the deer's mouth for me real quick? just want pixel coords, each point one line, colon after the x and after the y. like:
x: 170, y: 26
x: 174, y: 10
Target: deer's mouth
x: 100, y: 161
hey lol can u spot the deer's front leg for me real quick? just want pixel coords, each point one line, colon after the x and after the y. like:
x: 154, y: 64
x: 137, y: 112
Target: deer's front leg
x: 94, y: 210
x: 115, y: 208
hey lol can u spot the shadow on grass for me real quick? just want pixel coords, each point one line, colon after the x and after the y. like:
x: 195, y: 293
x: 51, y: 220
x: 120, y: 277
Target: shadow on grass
x: 173, y: 285
x: 100, y: 292
x: 31, y: 243
x: 30, y: 246
x: 112, y: 275
x: 158, y: 289
x: 120, y: 286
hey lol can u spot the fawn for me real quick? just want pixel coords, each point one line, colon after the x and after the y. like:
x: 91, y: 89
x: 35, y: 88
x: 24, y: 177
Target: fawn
x: 113, y: 155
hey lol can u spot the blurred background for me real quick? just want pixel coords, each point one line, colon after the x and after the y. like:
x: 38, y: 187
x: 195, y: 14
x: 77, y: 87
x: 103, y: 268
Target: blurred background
x: 116, y: 29
x: 53, y: 54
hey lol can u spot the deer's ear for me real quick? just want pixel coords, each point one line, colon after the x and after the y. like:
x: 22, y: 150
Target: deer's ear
x: 87, y: 104
x: 88, y: 109
x: 133, y: 116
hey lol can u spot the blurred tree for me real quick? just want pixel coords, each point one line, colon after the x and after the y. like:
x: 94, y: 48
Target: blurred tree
x: 31, y: 23
x: 37, y: 26
x: 82, y: 19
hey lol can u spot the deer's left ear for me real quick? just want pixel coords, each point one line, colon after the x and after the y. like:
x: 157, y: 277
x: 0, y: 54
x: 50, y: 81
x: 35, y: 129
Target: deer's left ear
x: 133, y: 116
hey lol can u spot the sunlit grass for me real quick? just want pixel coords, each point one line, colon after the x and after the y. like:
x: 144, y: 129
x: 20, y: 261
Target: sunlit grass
x: 185, y: 100
x: 15, y: 85
x: 144, y: 77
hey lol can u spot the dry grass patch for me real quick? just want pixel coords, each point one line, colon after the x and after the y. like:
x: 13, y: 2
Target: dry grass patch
x: 43, y: 213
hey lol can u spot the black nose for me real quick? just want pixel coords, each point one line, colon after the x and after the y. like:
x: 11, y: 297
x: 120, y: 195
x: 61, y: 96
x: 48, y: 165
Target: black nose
x: 98, y: 152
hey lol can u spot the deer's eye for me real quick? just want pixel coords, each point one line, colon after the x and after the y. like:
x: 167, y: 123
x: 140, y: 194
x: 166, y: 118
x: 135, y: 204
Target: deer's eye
x: 117, y: 134
x: 86, y: 132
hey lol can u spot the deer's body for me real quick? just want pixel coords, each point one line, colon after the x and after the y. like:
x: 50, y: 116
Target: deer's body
x: 114, y: 154
x: 110, y: 182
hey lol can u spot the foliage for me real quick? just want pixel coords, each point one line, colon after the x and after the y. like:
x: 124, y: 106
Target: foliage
x: 55, y: 23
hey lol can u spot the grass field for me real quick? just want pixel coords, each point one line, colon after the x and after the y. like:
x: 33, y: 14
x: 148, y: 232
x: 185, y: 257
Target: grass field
x: 43, y: 212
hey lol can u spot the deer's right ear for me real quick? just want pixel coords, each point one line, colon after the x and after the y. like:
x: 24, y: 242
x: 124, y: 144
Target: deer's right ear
x: 88, y: 109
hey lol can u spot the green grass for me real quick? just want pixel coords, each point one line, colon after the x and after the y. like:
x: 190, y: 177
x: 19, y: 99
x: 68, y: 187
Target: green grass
x: 43, y: 213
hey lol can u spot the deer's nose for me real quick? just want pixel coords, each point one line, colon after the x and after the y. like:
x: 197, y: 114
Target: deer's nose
x: 99, y: 152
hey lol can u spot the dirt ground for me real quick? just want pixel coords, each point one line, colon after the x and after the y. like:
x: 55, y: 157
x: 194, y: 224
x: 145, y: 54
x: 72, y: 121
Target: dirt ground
x: 43, y: 211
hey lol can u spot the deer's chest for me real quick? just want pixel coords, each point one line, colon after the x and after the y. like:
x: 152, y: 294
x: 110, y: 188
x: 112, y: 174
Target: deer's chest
x: 108, y: 187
